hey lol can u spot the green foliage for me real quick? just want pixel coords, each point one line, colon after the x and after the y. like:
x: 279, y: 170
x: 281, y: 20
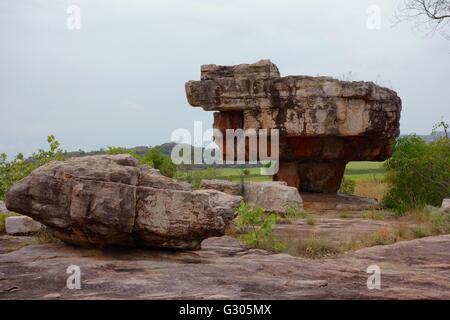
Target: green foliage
x: 295, y: 213
x: 195, y: 177
x: 154, y: 158
x: 245, y: 173
x: 116, y: 150
x: 19, y: 167
x: 418, y: 174
x: 257, y: 227
x: 347, y: 186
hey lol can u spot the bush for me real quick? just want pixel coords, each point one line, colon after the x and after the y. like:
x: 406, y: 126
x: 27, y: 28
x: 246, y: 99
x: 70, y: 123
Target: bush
x: 152, y: 158
x: 19, y: 167
x: 418, y: 174
x: 347, y: 186
x: 257, y: 227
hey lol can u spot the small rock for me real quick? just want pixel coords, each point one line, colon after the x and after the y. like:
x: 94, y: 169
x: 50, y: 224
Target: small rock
x: 20, y: 225
x: 272, y: 196
x: 3, y: 208
x: 222, y: 185
x: 445, y: 205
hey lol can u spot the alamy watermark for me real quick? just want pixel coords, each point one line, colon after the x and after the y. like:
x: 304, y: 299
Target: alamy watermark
x: 73, y: 21
x: 374, y: 280
x: 241, y: 146
x: 374, y: 17
x: 74, y: 280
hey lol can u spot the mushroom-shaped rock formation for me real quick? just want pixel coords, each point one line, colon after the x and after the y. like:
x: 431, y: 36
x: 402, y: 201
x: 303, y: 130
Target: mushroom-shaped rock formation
x: 323, y: 122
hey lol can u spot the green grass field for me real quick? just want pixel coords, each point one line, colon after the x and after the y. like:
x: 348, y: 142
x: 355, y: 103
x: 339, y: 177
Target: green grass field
x: 361, y: 170
x: 365, y: 170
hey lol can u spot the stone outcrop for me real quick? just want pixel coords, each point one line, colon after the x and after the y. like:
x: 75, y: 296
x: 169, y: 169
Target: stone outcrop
x: 110, y: 200
x: 323, y: 122
x: 225, y: 269
x: 338, y: 201
x: 272, y: 196
x: 222, y: 185
x: 21, y: 225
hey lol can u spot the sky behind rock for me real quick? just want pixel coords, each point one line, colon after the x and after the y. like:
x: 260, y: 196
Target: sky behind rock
x: 119, y: 80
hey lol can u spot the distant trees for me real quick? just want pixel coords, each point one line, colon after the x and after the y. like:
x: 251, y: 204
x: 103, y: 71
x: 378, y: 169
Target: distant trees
x: 19, y: 167
x: 434, y: 14
x: 153, y: 158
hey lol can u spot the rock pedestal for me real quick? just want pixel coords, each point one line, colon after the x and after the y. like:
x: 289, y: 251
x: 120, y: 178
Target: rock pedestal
x: 323, y: 122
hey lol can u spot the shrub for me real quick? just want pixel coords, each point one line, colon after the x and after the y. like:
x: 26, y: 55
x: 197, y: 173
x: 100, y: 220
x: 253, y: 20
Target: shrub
x: 19, y: 167
x: 257, y: 227
x: 347, y: 186
x: 295, y: 213
x: 116, y: 150
x: 418, y: 174
x: 152, y: 158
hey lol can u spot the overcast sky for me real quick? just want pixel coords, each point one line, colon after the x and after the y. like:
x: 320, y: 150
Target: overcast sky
x: 119, y: 80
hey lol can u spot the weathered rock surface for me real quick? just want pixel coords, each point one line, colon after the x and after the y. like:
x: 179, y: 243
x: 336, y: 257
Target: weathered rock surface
x: 333, y: 230
x: 224, y: 269
x: 445, y: 205
x: 339, y: 201
x: 323, y: 122
x: 110, y: 200
x: 272, y: 196
x: 222, y: 185
x: 21, y: 225
x: 12, y: 243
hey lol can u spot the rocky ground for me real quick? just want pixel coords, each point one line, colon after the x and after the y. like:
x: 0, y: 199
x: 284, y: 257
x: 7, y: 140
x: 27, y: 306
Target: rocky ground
x: 223, y: 269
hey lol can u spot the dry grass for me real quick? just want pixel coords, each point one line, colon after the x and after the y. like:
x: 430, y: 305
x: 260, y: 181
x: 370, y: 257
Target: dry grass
x: 371, y: 189
x: 413, y: 225
x: 313, y: 247
x: 43, y: 237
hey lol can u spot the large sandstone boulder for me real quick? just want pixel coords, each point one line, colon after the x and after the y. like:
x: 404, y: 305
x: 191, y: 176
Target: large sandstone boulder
x: 21, y: 225
x: 110, y: 200
x: 323, y: 122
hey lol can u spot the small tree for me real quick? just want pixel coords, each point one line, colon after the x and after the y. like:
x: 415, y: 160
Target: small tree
x: 418, y: 173
x: 433, y: 14
x: 154, y: 158
x: 19, y: 167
